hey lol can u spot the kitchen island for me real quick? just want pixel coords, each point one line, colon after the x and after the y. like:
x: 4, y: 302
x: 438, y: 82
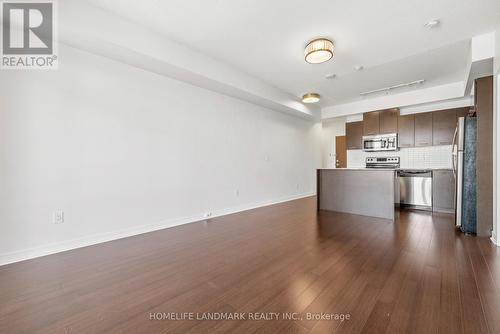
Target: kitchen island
x: 367, y: 192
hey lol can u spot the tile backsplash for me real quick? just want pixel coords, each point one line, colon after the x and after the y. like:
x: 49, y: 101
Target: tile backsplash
x: 412, y: 157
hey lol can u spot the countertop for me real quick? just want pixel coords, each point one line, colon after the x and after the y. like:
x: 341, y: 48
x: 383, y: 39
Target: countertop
x: 384, y: 169
x: 360, y: 169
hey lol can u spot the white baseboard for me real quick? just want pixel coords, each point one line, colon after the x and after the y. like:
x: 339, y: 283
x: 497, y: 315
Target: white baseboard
x: 58, y: 247
x: 494, y: 241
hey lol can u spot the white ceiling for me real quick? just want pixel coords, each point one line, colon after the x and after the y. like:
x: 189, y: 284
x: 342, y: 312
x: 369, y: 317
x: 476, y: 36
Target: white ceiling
x: 266, y: 38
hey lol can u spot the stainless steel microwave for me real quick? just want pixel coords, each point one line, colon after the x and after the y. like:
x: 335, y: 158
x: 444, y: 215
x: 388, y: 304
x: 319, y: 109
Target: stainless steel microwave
x: 385, y: 142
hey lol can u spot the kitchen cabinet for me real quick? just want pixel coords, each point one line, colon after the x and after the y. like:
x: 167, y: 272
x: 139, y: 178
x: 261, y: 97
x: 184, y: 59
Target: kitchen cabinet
x: 354, y: 135
x: 462, y: 112
x: 371, y: 123
x: 388, y: 121
x: 423, y: 129
x: 443, y: 126
x: 443, y: 191
x: 406, y: 131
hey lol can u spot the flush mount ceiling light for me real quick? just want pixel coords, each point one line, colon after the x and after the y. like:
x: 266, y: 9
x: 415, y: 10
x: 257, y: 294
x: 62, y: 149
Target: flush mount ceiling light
x: 318, y: 51
x: 311, y: 98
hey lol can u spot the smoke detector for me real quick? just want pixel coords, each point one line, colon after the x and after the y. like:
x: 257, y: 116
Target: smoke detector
x: 432, y: 23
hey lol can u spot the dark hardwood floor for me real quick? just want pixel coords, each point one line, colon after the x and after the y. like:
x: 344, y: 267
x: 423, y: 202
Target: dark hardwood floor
x: 417, y: 275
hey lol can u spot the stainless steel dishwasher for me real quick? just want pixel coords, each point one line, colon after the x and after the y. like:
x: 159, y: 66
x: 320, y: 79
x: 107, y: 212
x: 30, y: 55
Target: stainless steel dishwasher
x: 415, y: 188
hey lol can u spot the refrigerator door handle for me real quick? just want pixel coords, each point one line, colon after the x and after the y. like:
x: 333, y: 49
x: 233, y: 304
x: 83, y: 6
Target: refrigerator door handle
x: 453, y: 153
x: 454, y: 141
x: 454, y: 163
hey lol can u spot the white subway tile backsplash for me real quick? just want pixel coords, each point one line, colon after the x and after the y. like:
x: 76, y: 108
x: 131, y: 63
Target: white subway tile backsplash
x: 431, y: 157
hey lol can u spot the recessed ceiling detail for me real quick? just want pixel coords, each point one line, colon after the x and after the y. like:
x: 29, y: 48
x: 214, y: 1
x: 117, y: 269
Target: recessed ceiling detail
x: 262, y: 42
x: 311, y: 98
x: 318, y: 51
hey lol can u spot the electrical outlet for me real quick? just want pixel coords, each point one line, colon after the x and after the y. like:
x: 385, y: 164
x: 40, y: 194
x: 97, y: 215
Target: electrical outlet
x: 58, y: 217
x: 208, y: 215
x: 237, y: 192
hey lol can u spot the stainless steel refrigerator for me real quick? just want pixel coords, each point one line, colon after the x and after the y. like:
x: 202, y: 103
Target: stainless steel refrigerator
x: 464, y: 169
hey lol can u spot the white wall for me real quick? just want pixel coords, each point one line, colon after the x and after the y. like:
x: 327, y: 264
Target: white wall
x: 122, y: 151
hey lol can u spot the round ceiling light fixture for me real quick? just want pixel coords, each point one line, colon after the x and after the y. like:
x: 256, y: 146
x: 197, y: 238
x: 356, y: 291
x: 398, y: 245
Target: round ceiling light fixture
x: 310, y: 98
x: 318, y: 51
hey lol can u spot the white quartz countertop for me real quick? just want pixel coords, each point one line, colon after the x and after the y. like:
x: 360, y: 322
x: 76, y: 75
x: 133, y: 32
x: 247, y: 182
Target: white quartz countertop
x: 383, y: 169
x: 360, y: 169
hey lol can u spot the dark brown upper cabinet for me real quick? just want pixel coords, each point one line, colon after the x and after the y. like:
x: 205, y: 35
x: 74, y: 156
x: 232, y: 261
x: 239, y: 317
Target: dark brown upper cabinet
x: 354, y: 134
x: 371, y: 123
x: 406, y: 130
x: 388, y: 120
x: 462, y: 112
x: 443, y: 126
x: 423, y: 129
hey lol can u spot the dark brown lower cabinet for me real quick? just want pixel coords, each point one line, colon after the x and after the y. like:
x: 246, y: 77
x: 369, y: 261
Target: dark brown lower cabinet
x: 443, y: 191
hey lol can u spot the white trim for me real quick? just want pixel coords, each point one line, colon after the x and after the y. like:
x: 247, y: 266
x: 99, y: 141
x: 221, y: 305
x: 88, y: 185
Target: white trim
x: 448, y: 91
x: 354, y: 118
x: 58, y: 247
x: 441, y: 105
x: 495, y: 242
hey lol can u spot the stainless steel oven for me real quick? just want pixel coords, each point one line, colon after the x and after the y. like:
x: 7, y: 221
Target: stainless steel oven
x: 386, y: 142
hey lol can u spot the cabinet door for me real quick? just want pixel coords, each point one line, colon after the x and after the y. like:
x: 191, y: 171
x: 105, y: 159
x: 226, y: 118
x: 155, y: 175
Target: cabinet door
x: 443, y: 126
x: 388, y: 120
x: 371, y: 123
x: 462, y: 112
x: 443, y: 191
x: 354, y: 134
x: 406, y: 131
x: 423, y: 129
